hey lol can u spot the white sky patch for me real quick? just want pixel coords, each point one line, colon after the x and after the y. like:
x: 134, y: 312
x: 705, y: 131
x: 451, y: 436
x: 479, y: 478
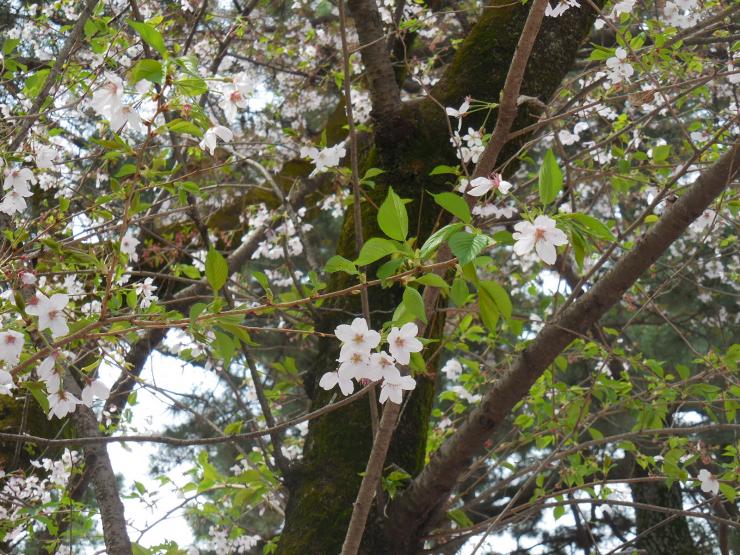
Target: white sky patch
x: 151, y: 416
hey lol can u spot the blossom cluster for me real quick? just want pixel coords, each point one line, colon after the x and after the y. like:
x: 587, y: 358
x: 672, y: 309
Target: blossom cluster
x: 33, y: 490
x: 357, y: 361
x: 107, y: 102
x: 17, y: 186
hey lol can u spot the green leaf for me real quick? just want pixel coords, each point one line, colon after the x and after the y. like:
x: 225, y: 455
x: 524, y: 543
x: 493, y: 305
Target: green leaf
x: 151, y: 70
x: 392, y: 217
x: 592, y: 226
x: 551, y: 178
x: 437, y: 238
x: 466, y: 246
x: 440, y: 170
x: 433, y: 280
x: 34, y: 83
x: 150, y: 35
x: 372, y: 172
x: 375, y: 249
x: 191, y: 86
x: 660, y: 153
x: 183, y: 126
x: 459, y: 292
x: 233, y: 428
x: 454, y: 204
x: 340, y: 264
x: 459, y: 516
x: 489, y: 312
x: 217, y: 269
x: 499, y: 296
x: 414, y: 303
x: 387, y: 269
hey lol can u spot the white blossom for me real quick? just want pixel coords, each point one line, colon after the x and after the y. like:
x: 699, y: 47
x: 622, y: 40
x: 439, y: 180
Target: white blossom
x: 542, y: 236
x: 11, y: 345
x: 212, y: 134
x: 393, y: 386
x: 402, y: 342
x: 709, y: 482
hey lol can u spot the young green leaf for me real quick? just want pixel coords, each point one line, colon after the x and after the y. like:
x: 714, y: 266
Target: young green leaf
x: 151, y: 70
x: 217, y: 270
x: 340, y: 264
x: 466, y: 246
x: 392, y: 217
x: 437, y: 238
x: 414, y: 303
x: 150, y: 35
x: 375, y: 249
x: 551, y: 178
x: 499, y: 296
x: 454, y: 204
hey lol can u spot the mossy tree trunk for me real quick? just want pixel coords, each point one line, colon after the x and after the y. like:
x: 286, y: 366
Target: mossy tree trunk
x: 324, y: 486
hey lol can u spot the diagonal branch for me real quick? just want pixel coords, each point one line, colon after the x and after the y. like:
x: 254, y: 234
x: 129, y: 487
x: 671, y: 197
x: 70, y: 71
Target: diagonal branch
x: 434, y: 484
x: 385, y: 95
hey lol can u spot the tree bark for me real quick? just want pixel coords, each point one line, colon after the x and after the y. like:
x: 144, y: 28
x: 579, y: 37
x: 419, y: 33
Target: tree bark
x: 338, y: 444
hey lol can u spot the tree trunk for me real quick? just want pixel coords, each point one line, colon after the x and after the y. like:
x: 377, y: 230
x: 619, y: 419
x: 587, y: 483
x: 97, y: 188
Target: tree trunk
x: 324, y: 486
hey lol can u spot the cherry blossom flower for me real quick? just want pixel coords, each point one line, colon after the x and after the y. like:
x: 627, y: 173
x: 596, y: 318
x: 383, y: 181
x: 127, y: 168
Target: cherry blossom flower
x: 709, y: 482
x: 46, y: 156
x: 562, y: 7
x: 355, y: 364
x: 331, y: 379
x: 212, y: 134
x: 107, y: 99
x: 402, y: 342
x: 62, y: 403
x: 123, y: 115
x: 50, y: 312
x: 707, y: 218
x: 481, y: 185
x: 382, y: 364
x: 128, y: 246
x: 452, y: 369
x: 230, y: 104
x: 542, y: 236
x: 48, y: 373
x: 95, y: 388
x: 464, y: 394
x: 11, y: 345
x: 146, y: 290
x: 14, y: 201
x: 393, y: 386
x: 356, y: 337
x: 619, y: 68
x: 460, y: 112
x: 18, y: 179
x: 6, y: 383
x: 325, y: 158
x: 26, y: 277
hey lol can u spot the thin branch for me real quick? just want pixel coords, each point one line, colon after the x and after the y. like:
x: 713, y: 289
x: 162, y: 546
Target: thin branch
x: 507, y: 110
x: 93, y: 439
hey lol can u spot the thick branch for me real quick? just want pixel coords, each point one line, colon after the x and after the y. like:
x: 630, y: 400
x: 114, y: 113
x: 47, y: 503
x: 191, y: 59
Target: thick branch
x: 97, y: 463
x: 434, y: 484
x: 385, y: 95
